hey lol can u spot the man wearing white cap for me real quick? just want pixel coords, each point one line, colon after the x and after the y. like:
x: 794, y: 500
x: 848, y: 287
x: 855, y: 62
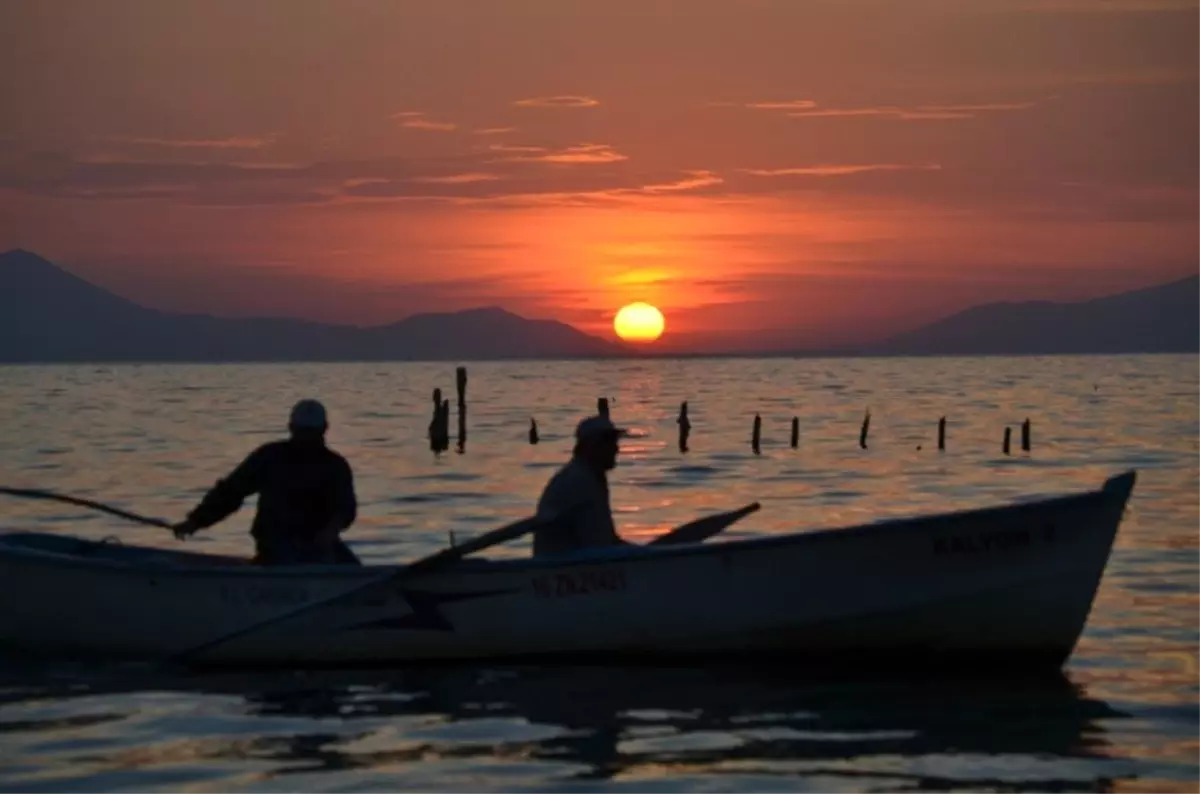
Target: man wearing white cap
x: 576, y: 498
x: 305, y: 496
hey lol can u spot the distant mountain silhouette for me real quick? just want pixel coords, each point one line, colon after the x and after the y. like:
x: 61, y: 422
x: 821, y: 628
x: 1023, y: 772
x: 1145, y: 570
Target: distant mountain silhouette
x: 1159, y: 319
x: 50, y: 315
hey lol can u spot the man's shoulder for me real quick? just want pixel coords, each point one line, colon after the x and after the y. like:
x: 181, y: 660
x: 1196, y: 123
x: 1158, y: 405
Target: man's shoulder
x: 572, y: 480
x: 337, y: 458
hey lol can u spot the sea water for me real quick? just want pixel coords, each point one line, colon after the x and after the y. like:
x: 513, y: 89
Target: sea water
x: 151, y: 438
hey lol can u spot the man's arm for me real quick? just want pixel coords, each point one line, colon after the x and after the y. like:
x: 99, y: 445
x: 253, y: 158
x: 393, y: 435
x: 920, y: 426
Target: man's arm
x: 224, y: 498
x: 345, y: 501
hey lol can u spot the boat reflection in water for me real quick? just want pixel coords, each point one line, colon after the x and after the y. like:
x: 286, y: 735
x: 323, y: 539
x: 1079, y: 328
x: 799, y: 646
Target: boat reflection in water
x: 734, y: 727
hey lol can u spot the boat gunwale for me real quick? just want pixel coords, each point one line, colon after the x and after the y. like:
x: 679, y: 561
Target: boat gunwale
x: 1118, y: 487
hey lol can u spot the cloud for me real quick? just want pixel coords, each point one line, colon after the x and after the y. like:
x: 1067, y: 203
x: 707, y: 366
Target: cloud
x: 419, y: 120
x: 563, y: 101
x: 1100, y: 6
x: 457, y: 179
x: 839, y: 170
x: 433, y: 126
x: 514, y: 148
x: 493, y: 130
x: 920, y: 112
x: 234, y: 142
x: 807, y: 108
x: 787, y: 104
x: 583, y: 153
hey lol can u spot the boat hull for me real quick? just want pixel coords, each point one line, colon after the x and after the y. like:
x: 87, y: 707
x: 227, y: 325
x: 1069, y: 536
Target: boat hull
x: 1011, y: 584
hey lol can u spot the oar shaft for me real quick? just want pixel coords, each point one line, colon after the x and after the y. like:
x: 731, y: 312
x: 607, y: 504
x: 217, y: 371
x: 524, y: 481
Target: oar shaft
x: 423, y: 565
x: 34, y: 493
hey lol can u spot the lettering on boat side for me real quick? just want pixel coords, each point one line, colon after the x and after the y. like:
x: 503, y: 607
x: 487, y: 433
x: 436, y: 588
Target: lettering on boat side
x: 264, y: 595
x: 568, y: 585
x: 1006, y: 540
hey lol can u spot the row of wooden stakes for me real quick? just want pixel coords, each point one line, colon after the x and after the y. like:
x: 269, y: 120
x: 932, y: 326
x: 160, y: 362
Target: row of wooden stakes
x: 439, y: 427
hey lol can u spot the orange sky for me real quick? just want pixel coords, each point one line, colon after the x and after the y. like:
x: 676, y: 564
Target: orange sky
x: 768, y: 172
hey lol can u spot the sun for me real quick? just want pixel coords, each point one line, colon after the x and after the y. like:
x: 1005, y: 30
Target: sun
x: 639, y: 322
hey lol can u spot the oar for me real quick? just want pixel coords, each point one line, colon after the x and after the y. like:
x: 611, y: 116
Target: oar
x: 423, y: 565
x: 704, y: 528
x: 33, y: 493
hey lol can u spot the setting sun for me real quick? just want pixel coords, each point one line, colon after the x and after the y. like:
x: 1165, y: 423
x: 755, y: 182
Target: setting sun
x: 639, y: 322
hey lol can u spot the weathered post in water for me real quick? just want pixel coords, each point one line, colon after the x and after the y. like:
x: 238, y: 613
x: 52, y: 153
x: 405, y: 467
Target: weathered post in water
x: 1007, y: 440
x: 862, y: 434
x: 685, y: 426
x: 444, y: 432
x: 461, y: 381
x: 533, y: 433
x: 1026, y: 432
x: 942, y: 434
x: 435, y: 425
x: 756, y: 435
x: 795, y: 432
x: 602, y: 407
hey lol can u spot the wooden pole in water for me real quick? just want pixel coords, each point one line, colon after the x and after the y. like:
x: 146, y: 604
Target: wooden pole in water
x: 866, y: 425
x: 942, y: 434
x: 461, y: 381
x: 602, y: 407
x: 1026, y: 432
x: 685, y: 426
x: 435, y: 426
x: 1007, y: 440
x: 533, y: 433
x: 756, y: 435
x: 795, y: 432
x: 444, y: 426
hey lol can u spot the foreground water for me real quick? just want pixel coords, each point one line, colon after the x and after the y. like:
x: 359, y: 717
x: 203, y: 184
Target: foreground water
x: 1123, y: 716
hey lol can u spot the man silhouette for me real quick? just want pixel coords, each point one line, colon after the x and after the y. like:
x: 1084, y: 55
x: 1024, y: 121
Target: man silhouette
x: 305, y: 496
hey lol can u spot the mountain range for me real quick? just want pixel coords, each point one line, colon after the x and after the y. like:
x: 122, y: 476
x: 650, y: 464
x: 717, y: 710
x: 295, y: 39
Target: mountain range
x: 47, y: 314
x: 1160, y: 319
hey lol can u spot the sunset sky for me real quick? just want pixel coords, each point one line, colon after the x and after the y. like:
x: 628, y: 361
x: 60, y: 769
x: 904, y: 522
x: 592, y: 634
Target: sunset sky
x: 801, y: 172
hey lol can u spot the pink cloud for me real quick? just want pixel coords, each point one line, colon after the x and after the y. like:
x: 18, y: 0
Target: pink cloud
x: 840, y: 170
x: 432, y: 126
x: 920, y: 112
x: 564, y: 101
x: 233, y: 142
x: 457, y: 179
x: 580, y: 154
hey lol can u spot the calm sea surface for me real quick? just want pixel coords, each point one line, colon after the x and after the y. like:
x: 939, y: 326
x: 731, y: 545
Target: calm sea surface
x: 1123, y: 716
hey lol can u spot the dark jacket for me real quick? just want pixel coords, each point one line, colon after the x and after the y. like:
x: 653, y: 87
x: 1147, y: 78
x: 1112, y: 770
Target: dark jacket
x: 576, y: 502
x: 302, y: 487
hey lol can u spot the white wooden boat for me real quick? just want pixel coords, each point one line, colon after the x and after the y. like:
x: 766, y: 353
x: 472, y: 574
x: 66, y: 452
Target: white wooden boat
x: 1010, y: 585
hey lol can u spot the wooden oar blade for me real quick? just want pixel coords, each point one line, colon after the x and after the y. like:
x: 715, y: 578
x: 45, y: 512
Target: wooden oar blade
x: 704, y: 528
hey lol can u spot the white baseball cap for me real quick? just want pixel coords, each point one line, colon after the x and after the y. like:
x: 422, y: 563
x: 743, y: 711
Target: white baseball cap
x: 308, y: 414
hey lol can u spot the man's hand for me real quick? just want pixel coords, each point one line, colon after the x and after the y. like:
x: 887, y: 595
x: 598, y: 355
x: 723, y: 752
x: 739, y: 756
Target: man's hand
x: 184, y: 528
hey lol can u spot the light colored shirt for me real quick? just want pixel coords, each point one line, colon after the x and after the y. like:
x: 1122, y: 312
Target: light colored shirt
x: 576, y: 498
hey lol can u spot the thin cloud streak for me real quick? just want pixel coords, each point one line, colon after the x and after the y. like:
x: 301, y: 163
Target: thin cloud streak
x: 920, y: 112
x: 233, y: 142
x: 432, y: 126
x: 580, y: 154
x: 564, y: 101
x: 839, y: 170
